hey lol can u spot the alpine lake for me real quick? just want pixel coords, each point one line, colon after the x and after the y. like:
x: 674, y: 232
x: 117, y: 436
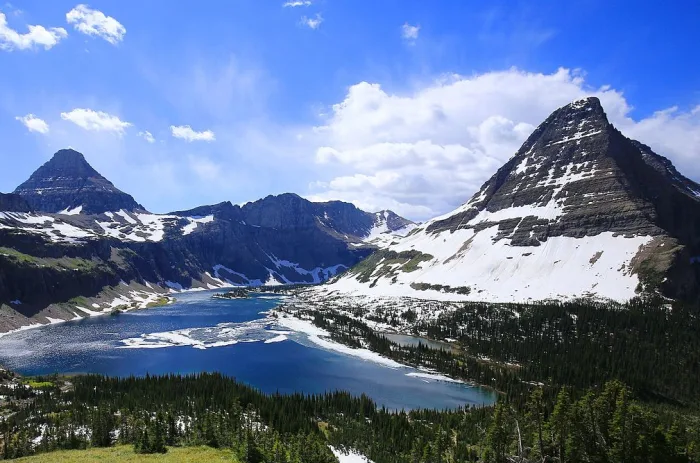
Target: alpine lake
x: 198, y: 333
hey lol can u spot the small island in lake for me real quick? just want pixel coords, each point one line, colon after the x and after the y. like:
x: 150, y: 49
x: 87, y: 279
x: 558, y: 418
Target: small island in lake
x: 238, y: 293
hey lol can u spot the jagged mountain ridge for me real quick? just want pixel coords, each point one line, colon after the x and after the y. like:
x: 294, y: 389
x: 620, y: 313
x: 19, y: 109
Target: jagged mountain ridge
x: 67, y: 182
x: 580, y: 210
x: 88, y: 245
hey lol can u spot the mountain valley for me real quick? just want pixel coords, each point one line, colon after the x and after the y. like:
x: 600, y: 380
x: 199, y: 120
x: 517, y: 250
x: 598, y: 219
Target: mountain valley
x: 73, y: 245
x: 562, y: 297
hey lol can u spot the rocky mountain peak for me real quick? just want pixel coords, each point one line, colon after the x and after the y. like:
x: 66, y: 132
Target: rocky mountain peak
x: 574, y: 165
x: 70, y: 162
x: 67, y: 182
x: 578, y: 210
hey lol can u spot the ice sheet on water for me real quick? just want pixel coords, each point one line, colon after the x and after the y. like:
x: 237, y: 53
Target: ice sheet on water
x: 223, y: 334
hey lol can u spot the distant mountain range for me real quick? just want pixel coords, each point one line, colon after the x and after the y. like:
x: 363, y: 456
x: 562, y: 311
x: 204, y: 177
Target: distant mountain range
x: 579, y: 211
x: 72, y: 244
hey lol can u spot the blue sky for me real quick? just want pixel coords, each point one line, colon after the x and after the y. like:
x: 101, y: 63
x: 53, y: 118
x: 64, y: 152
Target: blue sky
x: 400, y: 104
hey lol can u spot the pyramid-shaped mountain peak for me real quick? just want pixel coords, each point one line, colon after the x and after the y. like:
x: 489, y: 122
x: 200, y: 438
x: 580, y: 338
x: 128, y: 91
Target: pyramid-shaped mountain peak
x: 67, y: 182
x: 70, y: 162
x: 580, y: 210
x: 577, y: 175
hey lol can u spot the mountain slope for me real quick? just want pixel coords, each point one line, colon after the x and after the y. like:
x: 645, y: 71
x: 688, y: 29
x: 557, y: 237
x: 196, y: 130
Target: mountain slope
x: 579, y: 210
x: 68, y: 183
x: 14, y: 203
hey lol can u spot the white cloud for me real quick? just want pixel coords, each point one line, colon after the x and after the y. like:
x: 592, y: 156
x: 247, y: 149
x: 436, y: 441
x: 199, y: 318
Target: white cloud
x: 33, y: 123
x: 410, y: 32
x: 313, y: 23
x: 296, y: 3
x: 94, y: 22
x: 38, y: 36
x: 426, y: 151
x: 95, y: 120
x: 186, y: 133
x: 146, y: 135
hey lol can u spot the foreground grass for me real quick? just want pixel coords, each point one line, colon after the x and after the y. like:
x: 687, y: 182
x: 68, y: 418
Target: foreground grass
x: 125, y: 453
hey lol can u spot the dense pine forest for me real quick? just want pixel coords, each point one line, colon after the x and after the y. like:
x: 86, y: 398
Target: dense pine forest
x: 650, y: 345
x: 576, y: 381
x: 603, y: 424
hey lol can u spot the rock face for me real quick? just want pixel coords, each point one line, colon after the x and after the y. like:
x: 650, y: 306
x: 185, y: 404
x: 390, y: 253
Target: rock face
x: 14, y: 203
x: 95, y: 237
x: 580, y: 210
x: 292, y: 211
x: 68, y: 183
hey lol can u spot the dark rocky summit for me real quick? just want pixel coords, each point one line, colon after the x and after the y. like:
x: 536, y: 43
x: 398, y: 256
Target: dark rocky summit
x: 67, y: 182
x: 578, y: 162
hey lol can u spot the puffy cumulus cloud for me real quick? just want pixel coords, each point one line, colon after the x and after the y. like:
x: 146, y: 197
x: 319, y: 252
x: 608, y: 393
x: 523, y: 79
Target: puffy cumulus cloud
x: 312, y: 23
x: 33, y: 123
x: 146, y: 135
x: 410, y: 32
x: 94, y: 22
x: 186, y: 132
x: 97, y: 121
x: 427, y: 151
x: 38, y: 36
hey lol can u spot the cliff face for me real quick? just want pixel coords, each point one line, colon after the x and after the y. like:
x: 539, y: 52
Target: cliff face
x: 579, y: 210
x: 14, y: 203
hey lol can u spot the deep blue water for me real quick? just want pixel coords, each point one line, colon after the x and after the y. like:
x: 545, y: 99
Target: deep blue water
x: 96, y: 345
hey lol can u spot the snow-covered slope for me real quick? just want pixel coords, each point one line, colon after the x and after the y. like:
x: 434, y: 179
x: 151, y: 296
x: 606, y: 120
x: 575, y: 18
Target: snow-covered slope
x: 384, y: 229
x: 72, y: 227
x: 578, y: 211
x: 562, y: 267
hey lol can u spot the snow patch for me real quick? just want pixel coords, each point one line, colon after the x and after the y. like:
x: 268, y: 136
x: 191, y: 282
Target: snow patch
x: 434, y: 376
x: 320, y: 337
x: 74, y: 211
x: 349, y: 456
x: 194, y: 221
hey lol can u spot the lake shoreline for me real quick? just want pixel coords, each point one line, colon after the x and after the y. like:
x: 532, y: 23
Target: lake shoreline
x: 238, y: 338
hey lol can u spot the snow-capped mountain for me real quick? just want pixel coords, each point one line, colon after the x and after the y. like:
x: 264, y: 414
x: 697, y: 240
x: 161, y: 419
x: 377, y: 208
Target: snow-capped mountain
x: 67, y: 232
x: 580, y: 210
x: 386, y: 227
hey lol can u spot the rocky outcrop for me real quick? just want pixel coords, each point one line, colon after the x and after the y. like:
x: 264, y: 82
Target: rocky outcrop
x: 68, y: 183
x: 13, y: 203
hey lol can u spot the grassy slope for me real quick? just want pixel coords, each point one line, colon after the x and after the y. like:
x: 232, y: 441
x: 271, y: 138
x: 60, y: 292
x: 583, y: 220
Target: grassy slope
x: 126, y: 453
